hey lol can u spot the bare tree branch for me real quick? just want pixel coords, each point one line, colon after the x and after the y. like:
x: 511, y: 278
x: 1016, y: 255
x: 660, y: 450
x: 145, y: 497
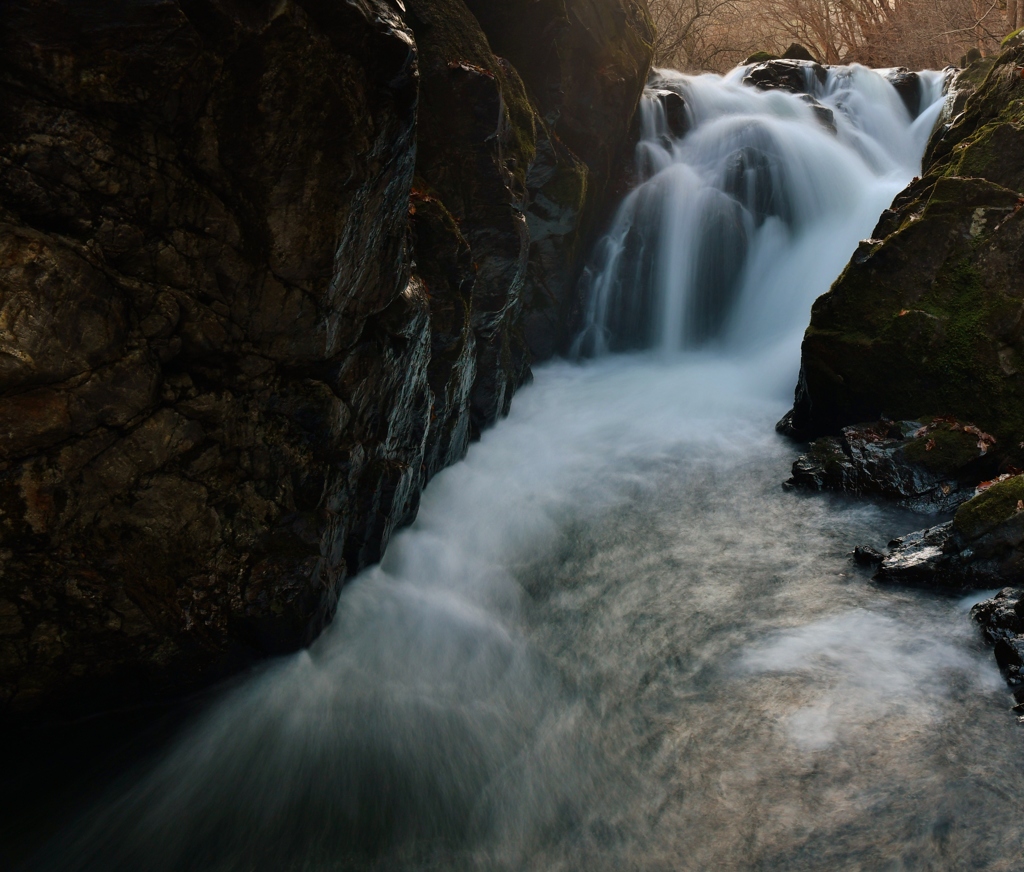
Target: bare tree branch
x: 716, y: 34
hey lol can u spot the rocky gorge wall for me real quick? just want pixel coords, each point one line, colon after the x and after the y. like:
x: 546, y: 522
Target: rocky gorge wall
x: 265, y: 268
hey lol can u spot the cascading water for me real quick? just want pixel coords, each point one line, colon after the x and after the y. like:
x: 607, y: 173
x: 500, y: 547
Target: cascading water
x: 737, y: 225
x: 611, y: 640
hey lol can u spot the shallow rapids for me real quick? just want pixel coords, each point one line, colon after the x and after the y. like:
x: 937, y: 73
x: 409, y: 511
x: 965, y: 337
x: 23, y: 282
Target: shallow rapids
x: 611, y: 640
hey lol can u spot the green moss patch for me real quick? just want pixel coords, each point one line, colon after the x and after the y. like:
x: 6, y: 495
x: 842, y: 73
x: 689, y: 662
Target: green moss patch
x: 990, y: 508
x: 943, y: 450
x: 1013, y: 40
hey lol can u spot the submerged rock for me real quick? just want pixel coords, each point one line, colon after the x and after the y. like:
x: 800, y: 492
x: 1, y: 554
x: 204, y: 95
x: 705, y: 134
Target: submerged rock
x: 826, y: 117
x: 675, y: 111
x: 930, y: 466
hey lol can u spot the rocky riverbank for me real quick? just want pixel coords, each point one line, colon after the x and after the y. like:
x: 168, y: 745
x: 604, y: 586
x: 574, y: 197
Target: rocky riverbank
x: 924, y: 330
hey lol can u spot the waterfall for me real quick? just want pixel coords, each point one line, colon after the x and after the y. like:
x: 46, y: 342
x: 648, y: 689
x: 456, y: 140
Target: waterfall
x: 610, y: 640
x: 749, y: 203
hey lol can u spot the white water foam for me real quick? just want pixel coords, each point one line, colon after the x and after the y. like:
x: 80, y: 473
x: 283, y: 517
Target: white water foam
x: 741, y: 223
x: 873, y: 666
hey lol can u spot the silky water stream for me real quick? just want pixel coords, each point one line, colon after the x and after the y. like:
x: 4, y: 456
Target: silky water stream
x: 612, y: 641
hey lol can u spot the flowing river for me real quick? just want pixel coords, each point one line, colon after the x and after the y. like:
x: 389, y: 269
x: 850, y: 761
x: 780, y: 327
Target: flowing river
x: 612, y: 641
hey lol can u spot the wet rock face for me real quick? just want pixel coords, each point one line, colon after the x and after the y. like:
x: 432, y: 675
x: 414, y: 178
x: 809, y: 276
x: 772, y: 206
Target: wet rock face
x: 583, y: 65
x: 214, y: 378
x: 796, y: 76
x: 926, y: 318
x: 476, y: 141
x: 518, y: 137
x: 930, y: 466
x: 243, y: 319
x: 1002, y: 623
x: 983, y: 546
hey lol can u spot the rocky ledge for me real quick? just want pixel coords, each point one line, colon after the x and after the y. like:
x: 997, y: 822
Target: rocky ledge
x: 927, y: 466
x: 264, y: 269
x: 983, y: 546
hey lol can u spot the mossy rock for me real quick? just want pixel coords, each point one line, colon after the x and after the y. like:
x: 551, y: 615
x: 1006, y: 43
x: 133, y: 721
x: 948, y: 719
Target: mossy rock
x: 760, y: 57
x: 990, y: 508
x: 1013, y: 40
x: 943, y: 449
x: 925, y: 318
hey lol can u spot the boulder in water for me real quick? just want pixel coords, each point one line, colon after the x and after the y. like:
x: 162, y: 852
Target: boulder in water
x: 797, y: 76
x: 924, y: 558
x: 983, y: 546
x: 908, y: 86
x: 1002, y: 624
x: 925, y: 319
x: 930, y: 466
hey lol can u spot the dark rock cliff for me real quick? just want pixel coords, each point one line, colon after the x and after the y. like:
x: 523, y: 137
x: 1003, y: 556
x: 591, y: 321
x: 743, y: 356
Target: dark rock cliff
x: 928, y: 317
x: 264, y: 268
